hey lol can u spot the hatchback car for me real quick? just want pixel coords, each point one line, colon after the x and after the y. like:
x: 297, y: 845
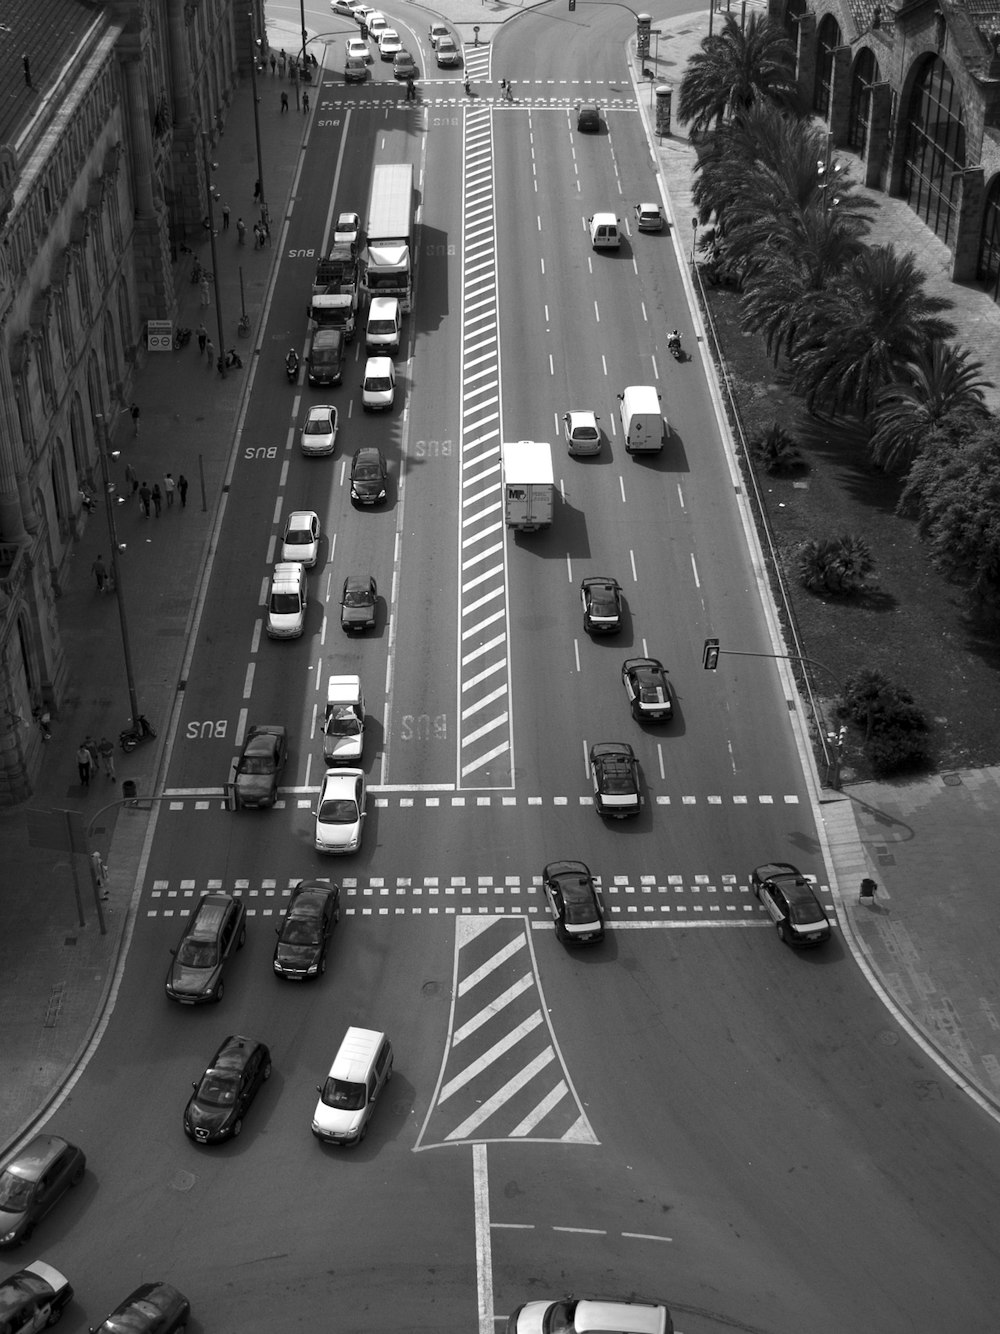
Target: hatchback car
x: 647, y: 689
x: 582, y: 433
x: 33, y: 1181
x: 436, y: 32
x: 791, y: 904
x: 364, y: 13
x: 300, y: 540
x: 403, y: 65
x: 614, y: 772
x: 154, y: 1308
x: 591, y: 1316
x: 649, y: 217
x: 357, y: 49
x: 260, y: 766
x: 574, y: 903
x: 319, y: 435
x: 378, y: 388
x: 32, y: 1298
x: 388, y: 43
x: 304, y: 934
x: 346, y: 7
x: 446, y: 52
x: 588, y: 116
x: 368, y: 474
x: 214, y: 932
x: 601, y: 599
x: 225, y: 1092
x: 340, y: 811
x: 358, y: 603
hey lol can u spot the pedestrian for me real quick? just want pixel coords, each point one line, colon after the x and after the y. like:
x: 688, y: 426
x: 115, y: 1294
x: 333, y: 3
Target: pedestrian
x: 206, y: 224
x: 241, y: 231
x: 182, y: 487
x: 411, y: 90
x: 145, y: 496
x: 225, y: 217
x: 169, y: 487
x: 284, y: 101
x: 134, y: 411
x: 274, y: 61
x: 106, y: 751
x: 258, y: 236
x: 503, y: 88
x: 210, y: 352
x: 100, y: 573
x: 305, y: 103
x: 157, y: 498
x: 91, y: 745
x: 202, y: 336
x: 131, y: 479
x: 256, y: 190
x: 84, y: 764
x: 293, y: 69
x: 509, y: 92
x: 468, y: 86
x: 43, y: 718
x: 204, y: 297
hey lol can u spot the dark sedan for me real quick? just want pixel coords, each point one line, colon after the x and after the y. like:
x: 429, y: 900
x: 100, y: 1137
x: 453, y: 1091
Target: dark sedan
x: 33, y: 1181
x: 648, y: 690
x: 615, y: 775
x: 368, y: 474
x: 788, y: 899
x: 154, y: 1308
x: 303, y: 936
x: 32, y: 1298
x: 601, y: 598
x: 574, y: 903
x: 223, y: 1095
x: 358, y: 602
x: 259, y: 768
x: 214, y: 932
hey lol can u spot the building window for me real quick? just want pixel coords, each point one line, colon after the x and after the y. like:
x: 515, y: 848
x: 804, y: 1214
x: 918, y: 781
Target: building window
x: 988, y: 271
x: 935, y: 148
x: 866, y: 72
x: 828, y: 39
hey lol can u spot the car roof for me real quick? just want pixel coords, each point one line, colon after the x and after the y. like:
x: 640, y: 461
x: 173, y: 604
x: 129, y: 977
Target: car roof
x: 653, y: 208
x: 207, y: 917
x: 378, y: 365
x: 36, y: 1156
x: 301, y: 518
x: 320, y: 409
x: 602, y: 749
x: 234, y: 1052
x: 602, y: 1317
x: 339, y: 779
x: 566, y: 868
x: 779, y: 871
x: 355, y: 581
x: 367, y: 453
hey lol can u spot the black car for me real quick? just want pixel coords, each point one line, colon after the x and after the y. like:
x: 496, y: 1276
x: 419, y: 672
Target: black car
x: 312, y: 913
x: 222, y: 1096
x: 32, y: 1298
x: 259, y: 768
x: 615, y: 775
x: 154, y: 1308
x: 789, y: 901
x: 35, y: 1179
x: 368, y: 474
x: 214, y: 932
x: 648, y: 690
x: 574, y: 902
x: 358, y: 602
x: 588, y: 116
x: 601, y: 599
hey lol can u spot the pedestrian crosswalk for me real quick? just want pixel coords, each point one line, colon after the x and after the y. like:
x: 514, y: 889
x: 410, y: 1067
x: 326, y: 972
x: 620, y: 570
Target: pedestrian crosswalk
x: 447, y: 798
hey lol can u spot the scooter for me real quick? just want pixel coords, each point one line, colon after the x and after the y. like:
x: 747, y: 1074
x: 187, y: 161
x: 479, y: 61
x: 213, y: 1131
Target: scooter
x: 141, y: 730
x: 292, y: 367
x: 231, y: 358
x: 182, y: 336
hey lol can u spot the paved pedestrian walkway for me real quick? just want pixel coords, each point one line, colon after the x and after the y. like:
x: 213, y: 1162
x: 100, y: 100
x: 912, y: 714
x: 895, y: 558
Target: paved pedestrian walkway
x: 927, y: 940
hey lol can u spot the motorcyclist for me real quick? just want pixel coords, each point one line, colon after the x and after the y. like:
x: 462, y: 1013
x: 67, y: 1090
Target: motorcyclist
x: 673, y: 341
x: 292, y: 362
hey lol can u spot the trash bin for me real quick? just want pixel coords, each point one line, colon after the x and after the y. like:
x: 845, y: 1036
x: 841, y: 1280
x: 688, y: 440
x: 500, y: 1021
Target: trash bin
x: 129, y: 791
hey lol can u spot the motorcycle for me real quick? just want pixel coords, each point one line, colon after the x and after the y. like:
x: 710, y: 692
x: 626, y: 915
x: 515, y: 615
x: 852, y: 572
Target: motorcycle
x: 230, y: 358
x: 141, y: 730
x: 674, y: 347
x: 182, y: 336
x: 292, y: 367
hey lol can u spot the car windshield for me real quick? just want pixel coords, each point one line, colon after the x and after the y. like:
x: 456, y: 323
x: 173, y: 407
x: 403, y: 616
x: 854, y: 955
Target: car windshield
x: 344, y: 1094
x: 343, y: 722
x: 367, y: 472
x: 559, y: 1318
x: 357, y: 597
x: 338, y: 810
x: 17, y: 1287
x: 317, y: 427
x: 257, y: 764
x: 298, y: 536
x: 378, y: 384
x: 299, y: 931
x: 198, y: 953
x: 284, y: 604
x: 15, y: 1193
x: 218, y: 1088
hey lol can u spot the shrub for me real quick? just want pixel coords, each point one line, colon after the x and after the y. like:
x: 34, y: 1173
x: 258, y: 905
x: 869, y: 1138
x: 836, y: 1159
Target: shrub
x: 776, y: 451
x: 835, y: 565
x: 896, y: 730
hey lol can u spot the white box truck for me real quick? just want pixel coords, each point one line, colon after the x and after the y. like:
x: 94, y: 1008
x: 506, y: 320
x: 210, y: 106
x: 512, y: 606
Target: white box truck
x: 344, y: 725
x: 528, y: 484
x: 389, y: 234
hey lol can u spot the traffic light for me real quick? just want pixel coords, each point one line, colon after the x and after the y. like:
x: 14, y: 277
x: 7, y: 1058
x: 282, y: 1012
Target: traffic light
x: 643, y: 23
x: 710, y: 655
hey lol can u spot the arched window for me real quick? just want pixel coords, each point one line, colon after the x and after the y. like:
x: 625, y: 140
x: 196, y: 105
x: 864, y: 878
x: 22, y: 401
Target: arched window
x: 828, y: 39
x: 864, y: 74
x: 935, y: 147
x: 988, y: 270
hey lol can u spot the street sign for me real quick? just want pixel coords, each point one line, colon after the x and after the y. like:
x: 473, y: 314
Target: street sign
x: 159, y: 335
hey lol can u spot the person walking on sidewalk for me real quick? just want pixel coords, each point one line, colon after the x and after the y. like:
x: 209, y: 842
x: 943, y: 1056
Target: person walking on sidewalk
x: 256, y: 190
x: 305, y: 104
x: 157, y: 498
x: 274, y: 61
x: 210, y: 352
x: 134, y: 413
x: 131, y: 479
x: 145, y: 495
x: 202, y: 337
x: 241, y: 231
x: 169, y: 487
x: 100, y: 573
x: 182, y: 487
x: 225, y: 217
x: 106, y: 751
x: 91, y: 745
x: 284, y: 101
x: 84, y: 764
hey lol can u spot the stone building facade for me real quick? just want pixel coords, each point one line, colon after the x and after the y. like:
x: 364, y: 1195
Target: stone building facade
x: 108, y: 113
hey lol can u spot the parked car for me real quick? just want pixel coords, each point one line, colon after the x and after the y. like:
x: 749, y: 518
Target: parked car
x: 368, y: 476
x: 32, y: 1298
x: 647, y: 689
x: 358, y: 603
x: 601, y: 599
x: 649, y: 217
x: 300, y: 540
x: 223, y: 1095
x: 154, y: 1308
x: 571, y: 1315
x: 575, y: 905
x: 212, y: 934
x: 260, y: 766
x: 340, y: 811
x: 304, y: 934
x: 32, y: 1182
x: 614, y: 773
x: 790, y: 902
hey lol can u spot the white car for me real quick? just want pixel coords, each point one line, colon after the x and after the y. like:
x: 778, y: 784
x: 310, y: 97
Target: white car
x: 436, y: 32
x: 358, y: 49
x: 378, y: 388
x: 389, y: 43
x: 347, y: 229
x: 446, y: 52
x: 362, y: 13
x: 301, y: 538
x: 340, y: 811
x: 376, y: 22
x: 583, y: 1316
x: 344, y: 7
x: 583, y: 435
x: 319, y: 435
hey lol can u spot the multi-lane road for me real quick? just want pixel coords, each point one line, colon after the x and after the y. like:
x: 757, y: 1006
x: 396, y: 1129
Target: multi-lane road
x: 689, y: 1111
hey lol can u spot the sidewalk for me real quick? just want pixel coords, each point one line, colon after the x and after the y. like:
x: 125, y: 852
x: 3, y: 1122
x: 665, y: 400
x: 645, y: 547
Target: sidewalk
x: 927, y: 941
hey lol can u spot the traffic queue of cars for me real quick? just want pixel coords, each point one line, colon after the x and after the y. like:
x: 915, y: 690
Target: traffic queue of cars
x: 373, y: 24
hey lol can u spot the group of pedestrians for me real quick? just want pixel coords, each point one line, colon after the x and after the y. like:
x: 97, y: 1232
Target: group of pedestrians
x: 92, y: 755
x: 154, y: 497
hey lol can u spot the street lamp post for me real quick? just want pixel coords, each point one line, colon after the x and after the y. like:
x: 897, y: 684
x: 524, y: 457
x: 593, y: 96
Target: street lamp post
x: 215, y: 260
x: 256, y: 121
x: 111, y: 498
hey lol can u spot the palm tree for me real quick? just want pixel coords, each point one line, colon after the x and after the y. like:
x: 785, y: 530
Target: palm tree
x: 940, y: 383
x: 869, y: 323
x: 733, y: 68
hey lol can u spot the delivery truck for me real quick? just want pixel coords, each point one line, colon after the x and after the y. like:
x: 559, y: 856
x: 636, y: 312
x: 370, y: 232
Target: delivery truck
x: 528, y: 484
x: 389, y: 234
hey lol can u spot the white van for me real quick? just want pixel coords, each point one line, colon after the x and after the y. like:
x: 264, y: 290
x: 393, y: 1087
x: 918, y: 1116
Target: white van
x: 344, y: 726
x: 604, y: 234
x: 643, y: 423
x: 360, y: 1070
x: 286, y: 603
x: 378, y: 388
x: 384, y: 325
